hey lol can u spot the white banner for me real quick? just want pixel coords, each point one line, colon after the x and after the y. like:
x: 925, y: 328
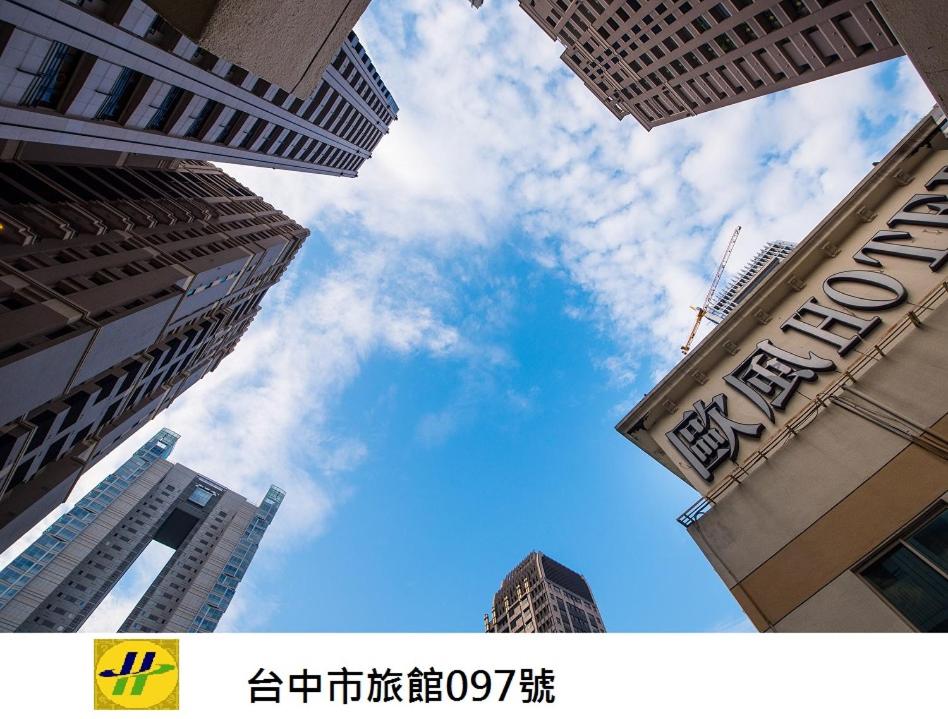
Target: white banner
x: 466, y: 675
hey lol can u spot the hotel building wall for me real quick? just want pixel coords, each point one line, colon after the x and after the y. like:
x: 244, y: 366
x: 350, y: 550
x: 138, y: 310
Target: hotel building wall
x: 818, y: 522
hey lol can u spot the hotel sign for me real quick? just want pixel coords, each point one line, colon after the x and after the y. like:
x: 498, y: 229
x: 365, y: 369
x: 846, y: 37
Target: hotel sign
x: 706, y: 436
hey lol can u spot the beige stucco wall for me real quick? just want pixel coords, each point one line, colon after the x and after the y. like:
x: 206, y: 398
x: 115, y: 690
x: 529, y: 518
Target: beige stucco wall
x: 787, y: 537
x: 838, y: 538
x: 286, y: 42
x: 913, y: 274
x: 829, y: 460
x: 844, y: 605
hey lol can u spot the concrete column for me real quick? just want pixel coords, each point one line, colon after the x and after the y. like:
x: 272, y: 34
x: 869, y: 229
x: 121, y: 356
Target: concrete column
x: 920, y: 26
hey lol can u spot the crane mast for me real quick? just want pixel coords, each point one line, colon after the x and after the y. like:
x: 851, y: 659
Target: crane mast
x: 703, y: 310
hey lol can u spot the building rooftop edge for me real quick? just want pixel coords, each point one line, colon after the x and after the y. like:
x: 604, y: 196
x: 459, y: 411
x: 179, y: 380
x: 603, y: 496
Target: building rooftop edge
x: 880, y: 174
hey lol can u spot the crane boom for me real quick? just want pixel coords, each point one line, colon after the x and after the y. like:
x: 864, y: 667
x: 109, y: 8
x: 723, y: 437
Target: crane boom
x: 703, y: 310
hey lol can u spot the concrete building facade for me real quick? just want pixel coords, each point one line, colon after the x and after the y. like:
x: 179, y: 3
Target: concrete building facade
x: 243, y: 31
x: 749, y: 276
x: 114, y: 75
x: 813, y: 420
x: 120, y: 287
x: 60, y: 579
x: 920, y: 26
x: 664, y: 60
x: 542, y: 595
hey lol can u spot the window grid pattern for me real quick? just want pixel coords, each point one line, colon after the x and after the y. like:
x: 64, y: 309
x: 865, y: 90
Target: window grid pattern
x: 226, y: 585
x: 57, y: 219
x: 749, y: 276
x: 662, y: 61
x: 912, y: 575
x: 241, y: 119
x: 542, y: 595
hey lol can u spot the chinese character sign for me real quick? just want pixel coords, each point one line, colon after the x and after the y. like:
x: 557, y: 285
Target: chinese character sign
x: 771, y: 376
x: 706, y: 436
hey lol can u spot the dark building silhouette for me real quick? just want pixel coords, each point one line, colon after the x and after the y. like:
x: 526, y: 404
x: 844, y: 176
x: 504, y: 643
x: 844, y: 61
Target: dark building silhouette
x: 120, y: 287
x: 542, y: 595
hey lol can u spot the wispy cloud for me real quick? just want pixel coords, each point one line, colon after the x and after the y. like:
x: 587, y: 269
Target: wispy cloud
x: 498, y: 140
x: 734, y: 625
x: 264, y: 416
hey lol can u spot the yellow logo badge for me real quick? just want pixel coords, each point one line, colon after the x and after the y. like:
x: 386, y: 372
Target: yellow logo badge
x: 136, y: 674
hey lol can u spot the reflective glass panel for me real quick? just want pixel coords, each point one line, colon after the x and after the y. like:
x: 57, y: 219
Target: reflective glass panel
x: 932, y: 540
x: 916, y: 590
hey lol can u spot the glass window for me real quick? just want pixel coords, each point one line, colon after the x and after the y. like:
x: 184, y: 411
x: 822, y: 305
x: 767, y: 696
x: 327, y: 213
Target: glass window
x: 163, y: 112
x: 932, y: 540
x: 49, y: 85
x: 200, y: 497
x: 118, y: 96
x: 913, y: 576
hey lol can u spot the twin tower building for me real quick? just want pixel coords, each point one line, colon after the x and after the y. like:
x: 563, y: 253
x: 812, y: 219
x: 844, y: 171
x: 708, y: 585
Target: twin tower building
x: 60, y: 579
x: 130, y: 266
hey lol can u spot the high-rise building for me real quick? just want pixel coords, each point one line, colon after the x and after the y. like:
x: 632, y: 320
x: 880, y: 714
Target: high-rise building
x: 243, y: 31
x: 542, y: 595
x: 60, y: 579
x: 750, y: 275
x: 120, y: 287
x: 663, y: 60
x: 116, y: 76
x: 813, y: 420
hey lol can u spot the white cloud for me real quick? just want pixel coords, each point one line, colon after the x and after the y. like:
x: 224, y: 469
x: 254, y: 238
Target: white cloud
x: 496, y: 134
x: 434, y: 428
x: 251, y: 609
x: 118, y: 604
x: 264, y: 415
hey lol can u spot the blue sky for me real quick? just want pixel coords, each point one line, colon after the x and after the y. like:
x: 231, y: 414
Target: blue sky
x: 436, y: 380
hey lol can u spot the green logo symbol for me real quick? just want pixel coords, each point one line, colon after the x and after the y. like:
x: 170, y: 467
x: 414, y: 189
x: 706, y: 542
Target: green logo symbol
x: 145, y: 670
x: 136, y: 673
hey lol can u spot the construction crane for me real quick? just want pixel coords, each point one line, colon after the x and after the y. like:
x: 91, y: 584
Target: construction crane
x: 703, y: 310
